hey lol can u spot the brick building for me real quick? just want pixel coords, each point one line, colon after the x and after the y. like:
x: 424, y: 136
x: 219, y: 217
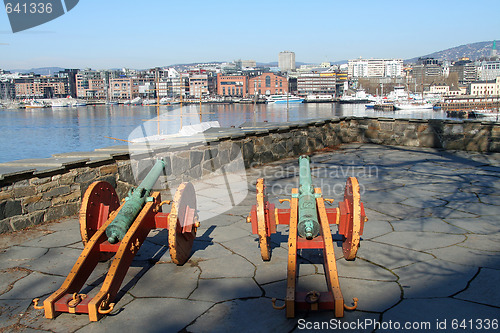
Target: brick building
x: 232, y: 85
x: 268, y: 84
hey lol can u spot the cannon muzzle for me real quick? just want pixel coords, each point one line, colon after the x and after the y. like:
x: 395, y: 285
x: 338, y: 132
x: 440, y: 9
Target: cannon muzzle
x: 308, y: 226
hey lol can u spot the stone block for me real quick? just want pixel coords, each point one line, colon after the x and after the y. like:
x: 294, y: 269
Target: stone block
x: 75, y: 196
x: 224, y: 157
x: 195, y: 158
x: 235, y: 151
x: 47, y: 186
x: 26, y: 220
x: 25, y: 191
x: 108, y: 169
x: 61, y: 211
x: 68, y: 178
x: 57, y: 191
x: 86, y: 175
x: 125, y: 173
x: 5, y: 226
x: 36, y: 206
x: 4, y: 195
x: 10, y: 208
x: 39, y: 181
x: 32, y: 199
x: 210, y: 153
x: 179, y: 165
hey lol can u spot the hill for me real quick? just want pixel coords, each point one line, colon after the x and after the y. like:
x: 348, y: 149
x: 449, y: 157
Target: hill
x: 473, y: 51
x: 40, y: 71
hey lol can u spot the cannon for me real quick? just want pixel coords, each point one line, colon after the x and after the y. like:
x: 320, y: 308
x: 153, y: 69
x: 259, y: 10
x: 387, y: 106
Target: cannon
x: 108, y: 228
x: 309, y: 228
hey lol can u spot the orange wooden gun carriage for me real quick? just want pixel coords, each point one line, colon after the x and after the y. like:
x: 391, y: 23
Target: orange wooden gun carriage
x: 134, y: 219
x: 309, y: 221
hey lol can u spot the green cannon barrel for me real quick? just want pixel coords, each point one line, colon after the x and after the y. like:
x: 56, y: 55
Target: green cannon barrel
x: 308, y: 226
x: 133, y: 205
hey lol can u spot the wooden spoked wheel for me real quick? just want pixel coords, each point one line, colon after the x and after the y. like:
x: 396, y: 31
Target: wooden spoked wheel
x: 181, y: 223
x: 352, y: 199
x: 98, y: 202
x: 261, y: 221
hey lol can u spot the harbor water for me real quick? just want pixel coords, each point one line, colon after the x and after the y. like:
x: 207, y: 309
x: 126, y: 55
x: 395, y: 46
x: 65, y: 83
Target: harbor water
x: 39, y: 133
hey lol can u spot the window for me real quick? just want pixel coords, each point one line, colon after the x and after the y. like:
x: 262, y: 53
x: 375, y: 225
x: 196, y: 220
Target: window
x: 268, y: 81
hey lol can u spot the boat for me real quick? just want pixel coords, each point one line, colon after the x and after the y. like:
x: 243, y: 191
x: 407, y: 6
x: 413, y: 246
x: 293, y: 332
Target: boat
x: 489, y: 115
x: 319, y: 98
x: 59, y: 103
x: 111, y: 102
x: 136, y: 101
x: 148, y: 102
x: 80, y: 103
x: 283, y: 99
x: 34, y: 104
x: 413, y: 106
x: 359, y: 97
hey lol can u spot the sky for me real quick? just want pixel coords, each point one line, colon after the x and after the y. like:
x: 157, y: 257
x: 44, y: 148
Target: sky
x: 103, y: 34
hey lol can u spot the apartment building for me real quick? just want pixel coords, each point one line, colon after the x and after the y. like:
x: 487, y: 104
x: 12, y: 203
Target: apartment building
x: 41, y: 87
x: 232, y: 85
x: 486, y: 88
x: 198, y: 85
x: 316, y: 84
x: 267, y: 84
x: 120, y: 88
x: 375, y: 68
x: 90, y: 84
x: 489, y: 70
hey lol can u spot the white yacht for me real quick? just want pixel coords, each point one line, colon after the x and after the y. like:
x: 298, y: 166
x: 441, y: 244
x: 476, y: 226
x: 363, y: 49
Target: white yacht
x: 283, y: 99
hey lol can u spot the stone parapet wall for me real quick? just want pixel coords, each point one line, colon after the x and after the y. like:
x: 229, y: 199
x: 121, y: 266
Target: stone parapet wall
x: 30, y: 196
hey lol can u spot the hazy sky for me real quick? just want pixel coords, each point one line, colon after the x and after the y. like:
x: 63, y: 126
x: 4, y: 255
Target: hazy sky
x: 146, y: 33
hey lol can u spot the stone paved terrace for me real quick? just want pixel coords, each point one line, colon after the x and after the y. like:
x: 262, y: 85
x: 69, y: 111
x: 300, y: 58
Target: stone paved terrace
x: 430, y: 253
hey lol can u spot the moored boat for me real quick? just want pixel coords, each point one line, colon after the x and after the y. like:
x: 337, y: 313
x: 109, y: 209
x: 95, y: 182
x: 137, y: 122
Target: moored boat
x: 283, y: 99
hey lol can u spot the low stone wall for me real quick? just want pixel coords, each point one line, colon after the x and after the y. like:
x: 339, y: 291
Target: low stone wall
x: 30, y: 196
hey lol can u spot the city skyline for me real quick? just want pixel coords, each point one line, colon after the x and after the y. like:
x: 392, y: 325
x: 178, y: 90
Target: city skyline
x: 115, y: 34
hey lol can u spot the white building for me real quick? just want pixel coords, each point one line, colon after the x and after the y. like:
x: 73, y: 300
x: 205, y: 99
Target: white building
x: 485, y: 88
x: 489, y: 70
x: 286, y: 61
x: 375, y: 68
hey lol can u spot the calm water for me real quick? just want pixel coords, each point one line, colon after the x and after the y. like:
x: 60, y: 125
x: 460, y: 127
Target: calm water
x: 40, y: 133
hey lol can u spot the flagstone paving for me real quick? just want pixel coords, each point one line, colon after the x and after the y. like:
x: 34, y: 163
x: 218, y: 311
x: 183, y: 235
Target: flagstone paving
x: 430, y: 254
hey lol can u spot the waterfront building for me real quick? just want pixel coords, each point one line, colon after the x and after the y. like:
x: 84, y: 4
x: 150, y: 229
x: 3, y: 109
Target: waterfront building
x: 439, y: 89
x: 267, y: 84
x: 486, y: 88
x: 316, y: 84
x: 90, y: 84
x: 120, y: 88
x: 375, y: 68
x: 232, y: 85
x: 7, y: 89
x: 41, y: 87
x: 70, y: 74
x: 286, y: 61
x: 198, y: 85
x: 489, y: 70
